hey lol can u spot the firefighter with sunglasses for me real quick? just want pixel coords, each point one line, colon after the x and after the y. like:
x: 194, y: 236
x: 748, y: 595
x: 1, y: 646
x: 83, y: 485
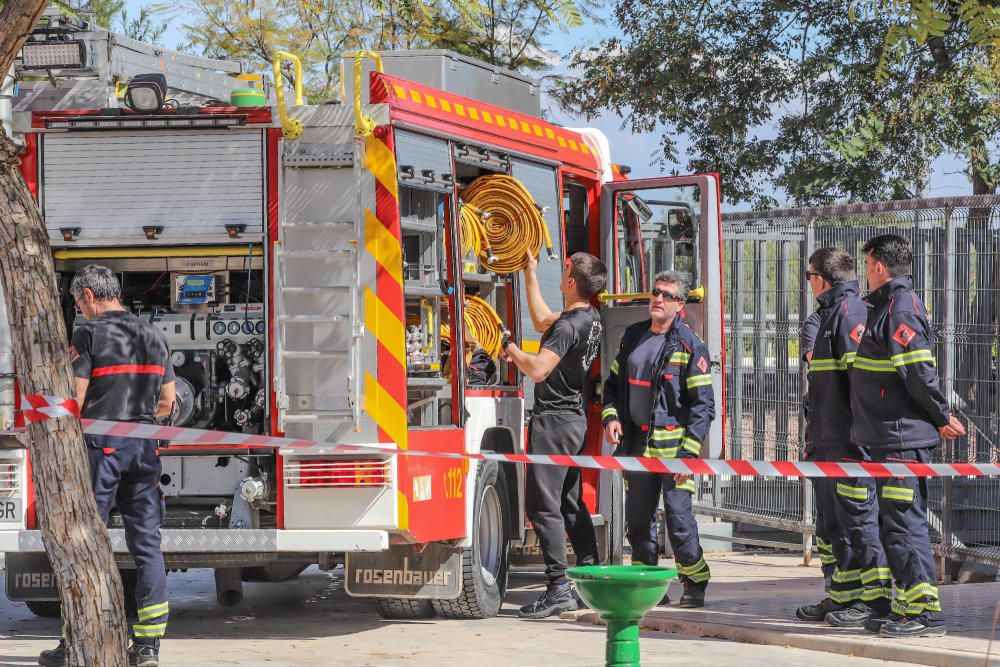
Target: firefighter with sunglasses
x: 659, y: 402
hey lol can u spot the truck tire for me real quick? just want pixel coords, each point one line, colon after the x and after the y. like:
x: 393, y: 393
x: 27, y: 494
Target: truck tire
x: 398, y: 608
x: 45, y: 608
x: 486, y: 564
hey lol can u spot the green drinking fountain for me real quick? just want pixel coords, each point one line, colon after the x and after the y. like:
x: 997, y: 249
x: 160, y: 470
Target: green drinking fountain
x: 622, y: 594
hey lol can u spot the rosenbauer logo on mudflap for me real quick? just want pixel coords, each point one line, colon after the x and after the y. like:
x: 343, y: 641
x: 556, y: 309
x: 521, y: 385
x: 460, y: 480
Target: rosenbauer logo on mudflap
x: 433, y: 572
x: 402, y: 577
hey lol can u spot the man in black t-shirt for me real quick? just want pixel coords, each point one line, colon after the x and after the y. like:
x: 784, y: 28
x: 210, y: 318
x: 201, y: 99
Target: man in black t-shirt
x: 123, y: 373
x: 571, y: 340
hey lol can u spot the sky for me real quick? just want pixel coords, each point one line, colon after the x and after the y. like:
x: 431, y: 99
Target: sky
x: 636, y: 150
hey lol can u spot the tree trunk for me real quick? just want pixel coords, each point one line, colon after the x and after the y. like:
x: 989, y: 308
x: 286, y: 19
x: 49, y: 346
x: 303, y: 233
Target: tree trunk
x: 75, y: 538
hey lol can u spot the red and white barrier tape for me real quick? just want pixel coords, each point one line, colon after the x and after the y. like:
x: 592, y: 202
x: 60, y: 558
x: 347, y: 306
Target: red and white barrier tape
x: 37, y: 408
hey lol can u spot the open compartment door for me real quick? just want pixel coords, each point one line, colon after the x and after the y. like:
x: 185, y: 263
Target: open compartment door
x: 666, y: 224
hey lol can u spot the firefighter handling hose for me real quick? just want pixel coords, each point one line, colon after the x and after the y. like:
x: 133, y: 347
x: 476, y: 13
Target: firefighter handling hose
x: 500, y: 221
x: 485, y: 326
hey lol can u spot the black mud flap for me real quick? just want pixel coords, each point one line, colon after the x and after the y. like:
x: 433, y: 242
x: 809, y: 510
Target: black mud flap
x: 401, y: 572
x: 30, y: 577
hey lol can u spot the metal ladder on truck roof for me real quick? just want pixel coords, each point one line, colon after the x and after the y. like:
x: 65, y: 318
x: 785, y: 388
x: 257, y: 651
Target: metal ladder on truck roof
x: 316, y: 295
x: 107, y: 59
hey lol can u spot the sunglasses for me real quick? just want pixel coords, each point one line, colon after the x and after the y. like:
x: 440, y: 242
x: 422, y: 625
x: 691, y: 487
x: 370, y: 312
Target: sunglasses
x: 812, y: 274
x: 667, y: 296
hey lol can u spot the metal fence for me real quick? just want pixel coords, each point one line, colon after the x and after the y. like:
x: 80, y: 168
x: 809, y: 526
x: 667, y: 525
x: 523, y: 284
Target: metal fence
x: 956, y: 245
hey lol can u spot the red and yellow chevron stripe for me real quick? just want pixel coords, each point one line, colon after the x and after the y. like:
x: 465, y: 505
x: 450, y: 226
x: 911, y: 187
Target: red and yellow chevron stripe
x: 385, y: 393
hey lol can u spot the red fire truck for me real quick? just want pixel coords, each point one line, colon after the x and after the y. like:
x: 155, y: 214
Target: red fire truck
x: 306, y: 267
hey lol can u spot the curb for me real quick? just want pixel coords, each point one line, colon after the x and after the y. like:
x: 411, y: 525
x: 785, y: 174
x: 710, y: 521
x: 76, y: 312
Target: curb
x: 856, y: 647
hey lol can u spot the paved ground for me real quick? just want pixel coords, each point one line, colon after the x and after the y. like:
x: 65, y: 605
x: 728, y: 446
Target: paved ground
x: 310, y: 621
x: 753, y: 599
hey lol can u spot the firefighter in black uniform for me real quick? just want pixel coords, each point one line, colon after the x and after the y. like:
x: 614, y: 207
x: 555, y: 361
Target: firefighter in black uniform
x: 659, y: 402
x: 900, y: 415
x: 123, y: 373
x: 844, y: 507
x: 807, y: 340
x: 553, y: 495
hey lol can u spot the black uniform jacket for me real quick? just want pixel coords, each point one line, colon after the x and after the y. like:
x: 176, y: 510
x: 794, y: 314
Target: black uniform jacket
x: 683, y: 398
x: 896, y: 395
x: 842, y: 316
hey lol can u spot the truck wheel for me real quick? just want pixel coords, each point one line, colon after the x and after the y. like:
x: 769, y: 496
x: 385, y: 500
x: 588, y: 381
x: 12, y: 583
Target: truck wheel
x: 485, y: 565
x: 403, y: 608
x: 45, y: 608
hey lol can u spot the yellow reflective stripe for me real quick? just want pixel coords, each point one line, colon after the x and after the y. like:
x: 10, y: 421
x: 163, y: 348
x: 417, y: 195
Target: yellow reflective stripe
x: 822, y: 544
x: 874, y: 365
x: 688, y: 486
x: 852, y: 492
x: 841, y: 364
x: 153, y: 611
x: 699, y: 577
x: 899, y: 606
x: 155, y: 630
x: 843, y: 597
x: 827, y: 558
x: 614, y: 367
x: 844, y: 576
x: 914, y: 357
x: 876, y: 574
x: 609, y: 411
x: 661, y: 452
x: 692, y: 445
x: 900, y: 493
x: 680, y: 358
x: 921, y: 590
x: 915, y: 608
x: 660, y: 434
x: 877, y: 593
x: 698, y: 381
x: 691, y: 569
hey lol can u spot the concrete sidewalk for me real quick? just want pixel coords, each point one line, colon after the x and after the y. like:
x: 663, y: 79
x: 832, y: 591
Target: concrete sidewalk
x: 753, y: 599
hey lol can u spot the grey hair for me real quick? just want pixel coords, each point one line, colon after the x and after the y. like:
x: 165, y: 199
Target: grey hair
x: 679, y: 278
x: 100, y: 280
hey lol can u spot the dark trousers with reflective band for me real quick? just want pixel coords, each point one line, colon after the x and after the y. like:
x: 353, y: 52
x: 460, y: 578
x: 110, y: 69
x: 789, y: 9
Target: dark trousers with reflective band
x: 553, y: 495
x: 641, y: 499
x: 860, y: 571
x: 906, y: 537
x: 825, y: 522
x: 125, y: 472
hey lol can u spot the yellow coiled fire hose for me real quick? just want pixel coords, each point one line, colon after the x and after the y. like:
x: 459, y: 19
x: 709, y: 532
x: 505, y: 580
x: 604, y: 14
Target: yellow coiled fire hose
x: 484, y: 326
x: 500, y: 221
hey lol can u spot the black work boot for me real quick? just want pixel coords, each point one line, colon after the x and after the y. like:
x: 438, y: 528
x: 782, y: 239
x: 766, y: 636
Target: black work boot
x: 694, y: 596
x: 55, y: 657
x: 875, y: 623
x: 853, y: 616
x: 910, y: 626
x: 144, y: 653
x: 816, y: 613
x: 556, y: 599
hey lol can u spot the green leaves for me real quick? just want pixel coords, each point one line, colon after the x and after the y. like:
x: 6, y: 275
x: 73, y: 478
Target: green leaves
x: 818, y: 101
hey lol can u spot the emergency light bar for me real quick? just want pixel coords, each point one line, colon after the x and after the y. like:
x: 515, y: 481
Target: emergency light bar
x: 54, y: 54
x: 143, y: 122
